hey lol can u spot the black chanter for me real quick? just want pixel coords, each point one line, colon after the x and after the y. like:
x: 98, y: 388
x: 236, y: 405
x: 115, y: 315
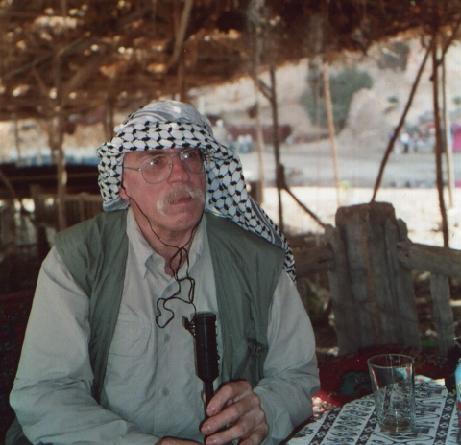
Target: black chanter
x: 203, y: 329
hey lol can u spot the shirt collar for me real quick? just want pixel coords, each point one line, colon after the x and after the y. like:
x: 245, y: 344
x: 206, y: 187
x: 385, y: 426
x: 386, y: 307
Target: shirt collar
x: 144, y: 254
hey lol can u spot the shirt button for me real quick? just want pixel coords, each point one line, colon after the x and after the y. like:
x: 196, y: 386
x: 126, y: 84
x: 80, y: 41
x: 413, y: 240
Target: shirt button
x: 165, y: 392
x: 167, y: 338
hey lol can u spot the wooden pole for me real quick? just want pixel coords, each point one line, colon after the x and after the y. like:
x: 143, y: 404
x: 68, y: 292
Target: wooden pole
x: 438, y: 139
x: 180, y: 33
x: 181, y: 80
x: 287, y: 189
x: 7, y: 224
x: 257, y: 115
x: 17, y: 140
x: 390, y: 145
x: 56, y: 136
x: 313, y: 80
x: 259, y: 148
x: 276, y: 142
x: 109, y: 121
x: 331, y: 129
x: 447, y: 140
x: 56, y: 139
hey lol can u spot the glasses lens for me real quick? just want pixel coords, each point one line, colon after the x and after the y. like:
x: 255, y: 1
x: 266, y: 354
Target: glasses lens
x: 192, y: 160
x: 156, y: 169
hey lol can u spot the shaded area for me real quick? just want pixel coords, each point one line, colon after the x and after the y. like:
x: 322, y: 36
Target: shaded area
x: 89, y: 58
x: 80, y: 179
x: 14, y: 312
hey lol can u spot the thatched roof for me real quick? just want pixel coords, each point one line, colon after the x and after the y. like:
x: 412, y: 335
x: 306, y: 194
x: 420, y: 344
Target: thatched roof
x: 79, y: 56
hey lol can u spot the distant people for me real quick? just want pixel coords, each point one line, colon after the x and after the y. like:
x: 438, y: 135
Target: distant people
x: 245, y: 143
x: 418, y: 143
x: 220, y: 132
x: 404, y: 140
x: 106, y: 358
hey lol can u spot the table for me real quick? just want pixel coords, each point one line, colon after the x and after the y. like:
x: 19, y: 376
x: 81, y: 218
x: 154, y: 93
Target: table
x: 355, y: 422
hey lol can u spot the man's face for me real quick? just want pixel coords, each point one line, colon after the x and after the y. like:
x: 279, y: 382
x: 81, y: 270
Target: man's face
x: 174, y: 204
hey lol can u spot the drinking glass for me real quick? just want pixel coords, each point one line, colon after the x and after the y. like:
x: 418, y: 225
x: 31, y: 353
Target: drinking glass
x: 392, y: 379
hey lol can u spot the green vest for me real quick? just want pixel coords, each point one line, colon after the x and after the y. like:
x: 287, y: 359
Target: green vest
x: 246, y: 270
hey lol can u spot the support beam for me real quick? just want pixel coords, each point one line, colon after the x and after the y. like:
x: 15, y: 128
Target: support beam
x: 257, y: 50
x: 438, y: 138
x: 56, y: 139
x: 181, y: 32
x: 447, y: 140
x: 390, y: 145
x: 276, y: 141
x: 259, y: 146
x: 17, y: 139
x: 331, y: 130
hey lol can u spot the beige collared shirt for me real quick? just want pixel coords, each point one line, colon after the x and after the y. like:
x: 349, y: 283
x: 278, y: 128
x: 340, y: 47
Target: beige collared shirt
x: 151, y: 387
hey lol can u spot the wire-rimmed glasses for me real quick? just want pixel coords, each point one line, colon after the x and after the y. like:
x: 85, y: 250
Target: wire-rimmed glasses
x: 158, y: 167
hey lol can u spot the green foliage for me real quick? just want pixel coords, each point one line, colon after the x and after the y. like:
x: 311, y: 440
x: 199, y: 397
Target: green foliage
x: 343, y: 85
x: 393, y: 100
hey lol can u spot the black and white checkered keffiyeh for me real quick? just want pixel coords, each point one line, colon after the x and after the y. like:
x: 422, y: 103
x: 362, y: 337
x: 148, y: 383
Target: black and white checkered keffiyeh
x: 171, y: 124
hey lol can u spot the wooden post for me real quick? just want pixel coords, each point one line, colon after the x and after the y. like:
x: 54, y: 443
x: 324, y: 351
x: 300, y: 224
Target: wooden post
x: 447, y: 139
x: 438, y: 139
x: 373, y: 299
x: 284, y: 186
x: 7, y: 220
x: 109, y: 120
x: 259, y: 150
x: 390, y: 145
x: 56, y: 139
x: 443, y: 263
x: 342, y: 299
x: 17, y: 139
x: 331, y: 129
x: 40, y: 222
x: 443, y: 319
x: 257, y: 115
x: 181, y: 20
x: 275, y: 135
x: 181, y: 80
x: 56, y: 130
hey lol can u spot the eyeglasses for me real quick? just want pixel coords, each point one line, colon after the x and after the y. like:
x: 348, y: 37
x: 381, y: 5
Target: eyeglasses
x: 158, y: 167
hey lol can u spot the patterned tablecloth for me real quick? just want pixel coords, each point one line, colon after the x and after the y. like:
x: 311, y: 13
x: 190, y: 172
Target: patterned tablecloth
x: 355, y: 422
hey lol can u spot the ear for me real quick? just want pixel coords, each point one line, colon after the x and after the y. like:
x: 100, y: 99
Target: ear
x: 123, y: 193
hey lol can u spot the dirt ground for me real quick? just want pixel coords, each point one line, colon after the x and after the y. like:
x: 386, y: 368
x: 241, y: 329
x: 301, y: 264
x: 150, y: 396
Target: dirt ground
x: 417, y: 207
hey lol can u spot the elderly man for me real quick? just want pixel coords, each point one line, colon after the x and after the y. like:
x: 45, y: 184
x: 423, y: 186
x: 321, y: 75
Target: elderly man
x: 106, y: 358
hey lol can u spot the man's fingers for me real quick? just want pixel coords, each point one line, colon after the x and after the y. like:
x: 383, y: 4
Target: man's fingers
x: 235, y: 412
x: 227, y: 394
x: 232, y: 413
x: 256, y: 438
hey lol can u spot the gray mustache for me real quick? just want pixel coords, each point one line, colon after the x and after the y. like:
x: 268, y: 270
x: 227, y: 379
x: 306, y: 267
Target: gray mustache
x: 179, y: 193
x: 183, y: 192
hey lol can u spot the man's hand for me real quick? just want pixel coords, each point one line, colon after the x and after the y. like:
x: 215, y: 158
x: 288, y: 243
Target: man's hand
x: 174, y: 441
x: 234, y: 412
